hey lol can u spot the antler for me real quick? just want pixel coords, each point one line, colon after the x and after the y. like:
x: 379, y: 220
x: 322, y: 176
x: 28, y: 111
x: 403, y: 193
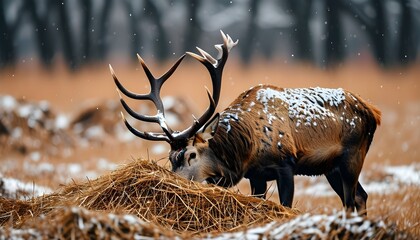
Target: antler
x: 215, y: 68
x: 176, y: 139
x: 154, y: 96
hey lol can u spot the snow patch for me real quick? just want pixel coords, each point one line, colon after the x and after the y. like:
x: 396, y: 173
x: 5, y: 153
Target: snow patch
x: 8, y: 103
x: 159, y: 148
x: 10, y: 187
x: 305, y: 104
x: 308, y: 226
x: 406, y: 174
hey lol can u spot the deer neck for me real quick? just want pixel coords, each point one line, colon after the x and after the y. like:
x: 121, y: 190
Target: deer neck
x: 232, y: 147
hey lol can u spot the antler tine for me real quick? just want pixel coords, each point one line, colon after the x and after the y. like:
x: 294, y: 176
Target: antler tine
x: 124, y: 90
x: 156, y: 83
x: 145, y: 135
x: 169, y: 73
x: 154, y: 96
x: 215, y: 68
x: 198, y: 123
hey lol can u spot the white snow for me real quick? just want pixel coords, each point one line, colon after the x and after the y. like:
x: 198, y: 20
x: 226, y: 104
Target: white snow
x: 406, y: 174
x: 74, y: 168
x: 306, y: 104
x: 35, y: 156
x: 229, y: 115
x: 7, y: 103
x: 95, y: 132
x: 159, y: 148
x: 318, y: 226
x: 11, y: 187
x: 105, y: 164
x: 319, y: 189
x: 62, y: 121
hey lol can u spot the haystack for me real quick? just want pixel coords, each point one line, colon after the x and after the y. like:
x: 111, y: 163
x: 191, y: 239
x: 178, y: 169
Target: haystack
x: 156, y: 195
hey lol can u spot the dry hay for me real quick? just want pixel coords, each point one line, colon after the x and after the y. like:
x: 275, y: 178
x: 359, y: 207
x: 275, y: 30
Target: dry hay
x: 155, y: 195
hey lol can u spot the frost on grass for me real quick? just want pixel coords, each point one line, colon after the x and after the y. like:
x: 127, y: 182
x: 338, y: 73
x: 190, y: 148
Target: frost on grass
x: 406, y: 174
x: 390, y: 180
x: 27, y: 127
x: 13, y: 188
x: 307, y: 226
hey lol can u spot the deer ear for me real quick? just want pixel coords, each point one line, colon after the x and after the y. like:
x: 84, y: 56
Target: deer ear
x: 210, y: 128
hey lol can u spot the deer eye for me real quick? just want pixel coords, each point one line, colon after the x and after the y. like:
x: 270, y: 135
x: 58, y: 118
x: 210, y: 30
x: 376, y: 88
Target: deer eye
x: 190, y: 157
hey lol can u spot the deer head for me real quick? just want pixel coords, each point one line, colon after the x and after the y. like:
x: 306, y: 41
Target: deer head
x: 187, y: 146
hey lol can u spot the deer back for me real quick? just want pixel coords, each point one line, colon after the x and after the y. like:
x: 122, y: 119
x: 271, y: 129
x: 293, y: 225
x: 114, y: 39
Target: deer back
x: 314, y: 125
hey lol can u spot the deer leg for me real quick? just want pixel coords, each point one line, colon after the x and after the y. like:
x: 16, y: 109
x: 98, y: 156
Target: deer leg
x: 258, y: 187
x: 361, y: 198
x: 286, y: 185
x: 349, y: 179
x: 334, y: 179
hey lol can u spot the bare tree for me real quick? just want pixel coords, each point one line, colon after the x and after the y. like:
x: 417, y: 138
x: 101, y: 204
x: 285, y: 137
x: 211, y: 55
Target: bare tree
x: 101, y: 49
x: 375, y: 26
x: 334, y: 44
x: 193, y: 29
x: 407, y: 39
x: 301, y: 10
x: 42, y: 30
x: 154, y: 13
x: 69, y: 50
x: 251, y: 33
x: 7, y: 51
x: 87, y: 14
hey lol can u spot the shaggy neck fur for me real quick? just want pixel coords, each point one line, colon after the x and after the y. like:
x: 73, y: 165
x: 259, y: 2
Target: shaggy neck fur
x: 232, y: 149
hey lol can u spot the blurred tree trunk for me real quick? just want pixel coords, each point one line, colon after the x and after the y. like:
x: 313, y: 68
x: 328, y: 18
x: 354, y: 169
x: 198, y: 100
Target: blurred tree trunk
x: 251, y: 33
x: 301, y: 9
x: 407, y: 41
x: 64, y: 27
x: 133, y: 20
x: 87, y: 13
x: 42, y: 31
x: 193, y: 30
x: 101, y: 43
x: 375, y: 27
x: 379, y: 33
x: 161, y: 47
x: 7, y: 50
x: 334, y: 45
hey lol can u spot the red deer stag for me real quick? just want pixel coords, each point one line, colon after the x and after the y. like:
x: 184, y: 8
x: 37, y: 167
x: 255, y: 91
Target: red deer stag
x: 267, y: 133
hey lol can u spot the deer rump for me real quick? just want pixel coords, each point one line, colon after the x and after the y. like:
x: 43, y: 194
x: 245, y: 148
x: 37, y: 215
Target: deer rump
x: 267, y: 133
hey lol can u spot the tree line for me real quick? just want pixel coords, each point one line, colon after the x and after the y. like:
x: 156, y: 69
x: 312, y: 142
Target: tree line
x: 81, y: 30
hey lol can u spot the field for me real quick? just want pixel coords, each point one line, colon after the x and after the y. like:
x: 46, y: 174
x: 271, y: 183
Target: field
x: 62, y: 139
